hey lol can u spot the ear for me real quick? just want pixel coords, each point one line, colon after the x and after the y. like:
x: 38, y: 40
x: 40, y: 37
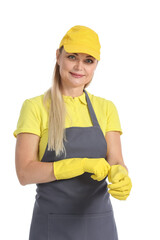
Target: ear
x: 57, y: 55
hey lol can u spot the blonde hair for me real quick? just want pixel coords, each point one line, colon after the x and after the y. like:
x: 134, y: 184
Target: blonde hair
x: 57, y: 113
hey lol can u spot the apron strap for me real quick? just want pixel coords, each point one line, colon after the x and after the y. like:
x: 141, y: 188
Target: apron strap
x: 91, y: 111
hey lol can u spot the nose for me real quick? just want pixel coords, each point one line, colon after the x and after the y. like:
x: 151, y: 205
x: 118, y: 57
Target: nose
x: 78, y: 65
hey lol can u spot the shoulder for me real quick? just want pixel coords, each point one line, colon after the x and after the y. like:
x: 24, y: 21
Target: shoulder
x: 36, y: 102
x: 34, y: 106
x: 101, y: 101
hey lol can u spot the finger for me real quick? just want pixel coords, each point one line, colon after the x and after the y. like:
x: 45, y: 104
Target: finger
x: 98, y: 177
x: 94, y: 177
x: 119, y: 187
x: 120, y: 197
x: 122, y: 183
x: 125, y: 188
x: 120, y: 193
x: 107, y: 166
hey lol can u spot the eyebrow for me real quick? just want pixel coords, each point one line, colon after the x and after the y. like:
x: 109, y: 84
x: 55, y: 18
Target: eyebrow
x: 86, y: 56
x: 90, y: 56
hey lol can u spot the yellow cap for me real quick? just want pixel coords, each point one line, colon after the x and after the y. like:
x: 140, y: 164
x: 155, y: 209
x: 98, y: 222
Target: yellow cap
x: 81, y: 39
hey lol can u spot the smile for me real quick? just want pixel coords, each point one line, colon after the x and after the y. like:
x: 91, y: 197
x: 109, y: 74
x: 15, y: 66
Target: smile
x: 76, y: 75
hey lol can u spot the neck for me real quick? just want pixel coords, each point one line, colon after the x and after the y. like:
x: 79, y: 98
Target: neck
x: 73, y: 92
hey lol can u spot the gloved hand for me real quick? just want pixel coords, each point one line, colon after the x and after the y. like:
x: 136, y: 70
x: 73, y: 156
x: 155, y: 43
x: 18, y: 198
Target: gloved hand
x: 98, y: 166
x: 72, y: 167
x: 121, y: 182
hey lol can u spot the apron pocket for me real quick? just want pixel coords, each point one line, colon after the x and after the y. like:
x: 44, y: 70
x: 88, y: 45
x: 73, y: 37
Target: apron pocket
x: 82, y: 226
x: 68, y: 226
x: 101, y: 226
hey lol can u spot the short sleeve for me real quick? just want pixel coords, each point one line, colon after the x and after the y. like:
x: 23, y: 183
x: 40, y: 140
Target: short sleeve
x: 113, y: 122
x: 29, y: 120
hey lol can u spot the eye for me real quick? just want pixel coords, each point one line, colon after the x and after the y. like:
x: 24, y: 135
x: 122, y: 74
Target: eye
x: 72, y: 57
x: 89, y: 60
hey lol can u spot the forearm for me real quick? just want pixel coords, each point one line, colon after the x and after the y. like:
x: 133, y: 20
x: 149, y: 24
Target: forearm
x: 114, y: 150
x: 121, y: 163
x: 118, y: 161
x: 37, y: 172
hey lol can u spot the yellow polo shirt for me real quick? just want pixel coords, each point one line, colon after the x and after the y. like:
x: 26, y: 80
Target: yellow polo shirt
x: 33, y: 116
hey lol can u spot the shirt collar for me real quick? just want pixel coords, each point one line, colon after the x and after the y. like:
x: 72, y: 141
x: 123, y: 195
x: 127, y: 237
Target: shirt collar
x: 81, y: 98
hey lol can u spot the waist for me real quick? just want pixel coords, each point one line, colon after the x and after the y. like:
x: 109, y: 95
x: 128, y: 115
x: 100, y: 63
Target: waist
x: 81, y: 194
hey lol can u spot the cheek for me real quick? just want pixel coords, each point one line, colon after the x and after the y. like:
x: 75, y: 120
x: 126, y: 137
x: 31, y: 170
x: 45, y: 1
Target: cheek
x: 64, y: 68
x: 90, y: 71
x: 66, y: 65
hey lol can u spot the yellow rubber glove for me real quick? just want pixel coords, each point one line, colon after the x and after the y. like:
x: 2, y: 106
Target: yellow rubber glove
x: 98, y: 166
x: 72, y: 167
x: 121, y: 182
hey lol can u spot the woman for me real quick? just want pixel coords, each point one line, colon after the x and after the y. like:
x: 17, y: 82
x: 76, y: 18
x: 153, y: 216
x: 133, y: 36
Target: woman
x: 68, y: 142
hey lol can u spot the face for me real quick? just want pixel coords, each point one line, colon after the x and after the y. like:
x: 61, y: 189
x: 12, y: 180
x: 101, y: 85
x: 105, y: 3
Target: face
x: 76, y: 69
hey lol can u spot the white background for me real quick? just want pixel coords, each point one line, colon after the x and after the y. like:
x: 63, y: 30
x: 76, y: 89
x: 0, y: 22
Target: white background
x: 128, y: 74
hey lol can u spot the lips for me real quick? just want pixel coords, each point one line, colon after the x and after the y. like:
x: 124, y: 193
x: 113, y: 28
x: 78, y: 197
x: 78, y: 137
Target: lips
x: 76, y: 75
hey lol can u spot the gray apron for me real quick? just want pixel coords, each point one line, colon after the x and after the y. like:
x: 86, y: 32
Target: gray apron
x: 78, y: 208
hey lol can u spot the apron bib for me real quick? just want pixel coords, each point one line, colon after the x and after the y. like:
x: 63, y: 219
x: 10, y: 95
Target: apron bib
x: 78, y: 208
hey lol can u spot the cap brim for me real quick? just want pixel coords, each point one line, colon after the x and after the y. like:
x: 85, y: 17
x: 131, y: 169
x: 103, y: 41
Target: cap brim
x: 81, y: 49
